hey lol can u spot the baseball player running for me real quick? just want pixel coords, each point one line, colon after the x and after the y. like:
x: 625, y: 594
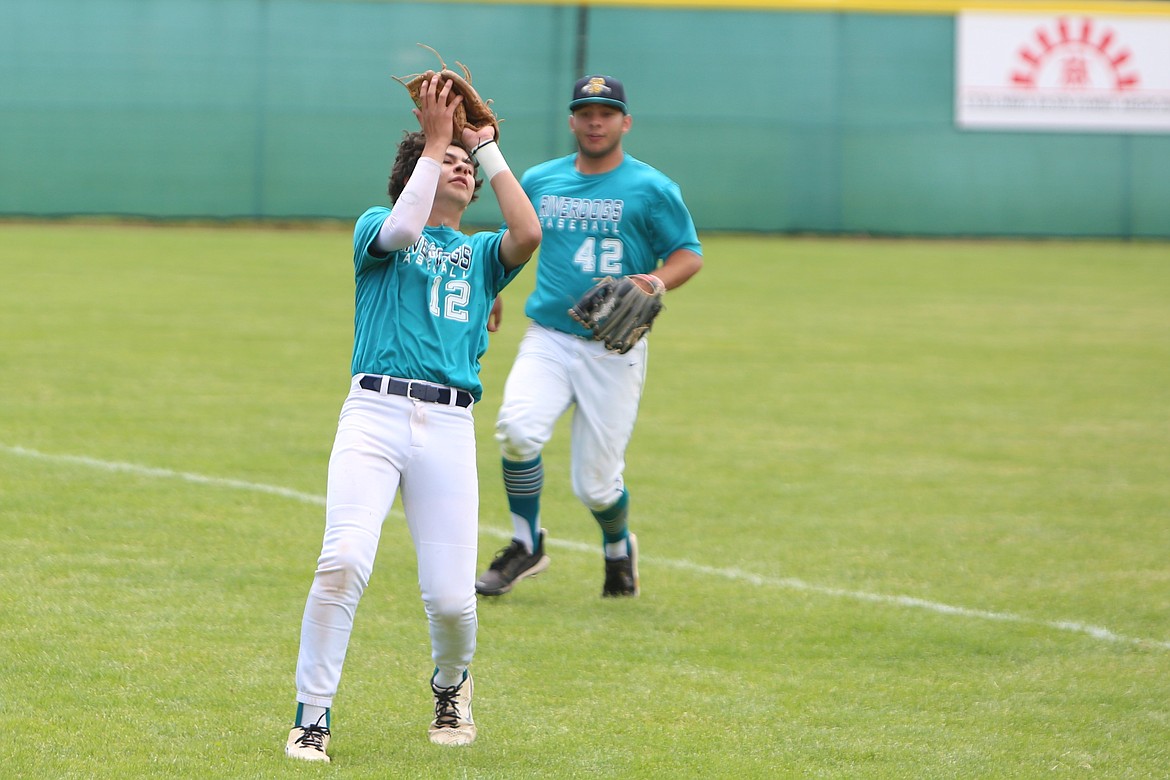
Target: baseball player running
x: 423, y: 294
x: 603, y: 213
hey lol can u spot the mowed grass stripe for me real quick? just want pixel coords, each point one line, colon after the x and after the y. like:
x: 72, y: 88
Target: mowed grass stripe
x: 737, y: 575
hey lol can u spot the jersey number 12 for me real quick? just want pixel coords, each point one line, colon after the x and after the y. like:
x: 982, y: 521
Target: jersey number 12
x: 454, y: 302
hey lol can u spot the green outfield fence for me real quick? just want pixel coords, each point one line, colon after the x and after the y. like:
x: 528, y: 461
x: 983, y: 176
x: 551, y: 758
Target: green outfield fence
x: 772, y: 116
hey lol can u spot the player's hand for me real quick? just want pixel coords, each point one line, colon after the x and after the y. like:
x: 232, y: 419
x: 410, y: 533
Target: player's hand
x: 436, y: 114
x: 473, y: 138
x: 497, y: 315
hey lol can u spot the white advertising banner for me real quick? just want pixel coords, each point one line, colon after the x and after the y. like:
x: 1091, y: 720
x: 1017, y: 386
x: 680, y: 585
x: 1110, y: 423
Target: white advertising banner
x: 1074, y: 72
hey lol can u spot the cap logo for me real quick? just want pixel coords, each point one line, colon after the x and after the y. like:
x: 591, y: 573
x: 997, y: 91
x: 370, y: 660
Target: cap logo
x: 595, y: 87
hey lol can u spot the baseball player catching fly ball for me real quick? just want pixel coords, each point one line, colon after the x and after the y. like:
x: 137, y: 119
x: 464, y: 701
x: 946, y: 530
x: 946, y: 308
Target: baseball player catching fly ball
x: 424, y: 291
x: 604, y: 215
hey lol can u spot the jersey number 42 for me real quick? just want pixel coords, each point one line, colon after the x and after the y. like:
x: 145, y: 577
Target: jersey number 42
x: 604, y: 256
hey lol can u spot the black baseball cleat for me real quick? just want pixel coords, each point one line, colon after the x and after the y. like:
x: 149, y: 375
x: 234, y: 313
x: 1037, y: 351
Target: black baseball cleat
x: 512, y: 564
x: 621, y: 574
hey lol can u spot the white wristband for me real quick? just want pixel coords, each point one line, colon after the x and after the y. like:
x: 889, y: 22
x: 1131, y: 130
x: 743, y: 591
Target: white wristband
x: 490, y: 159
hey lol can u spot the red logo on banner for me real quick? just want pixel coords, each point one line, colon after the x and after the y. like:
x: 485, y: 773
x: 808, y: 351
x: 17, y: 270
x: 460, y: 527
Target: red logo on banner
x: 1073, y: 55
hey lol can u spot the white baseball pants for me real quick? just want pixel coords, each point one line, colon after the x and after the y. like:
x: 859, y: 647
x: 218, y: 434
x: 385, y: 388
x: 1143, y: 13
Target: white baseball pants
x: 555, y: 370
x: 385, y: 443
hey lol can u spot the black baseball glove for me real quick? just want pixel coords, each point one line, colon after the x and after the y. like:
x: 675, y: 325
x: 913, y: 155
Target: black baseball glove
x: 620, y: 310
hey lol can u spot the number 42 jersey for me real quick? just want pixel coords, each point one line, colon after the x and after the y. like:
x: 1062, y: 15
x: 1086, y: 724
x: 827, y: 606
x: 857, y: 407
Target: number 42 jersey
x: 625, y: 221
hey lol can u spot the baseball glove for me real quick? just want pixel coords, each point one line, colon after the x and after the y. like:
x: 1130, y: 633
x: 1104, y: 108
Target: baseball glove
x: 619, y: 310
x: 473, y: 112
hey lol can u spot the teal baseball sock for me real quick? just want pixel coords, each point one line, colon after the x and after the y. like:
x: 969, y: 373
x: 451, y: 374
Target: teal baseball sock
x: 615, y: 531
x: 523, y: 482
x: 312, y: 715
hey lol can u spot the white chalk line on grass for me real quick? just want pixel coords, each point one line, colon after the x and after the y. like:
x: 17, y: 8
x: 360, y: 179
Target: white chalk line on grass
x: 733, y: 574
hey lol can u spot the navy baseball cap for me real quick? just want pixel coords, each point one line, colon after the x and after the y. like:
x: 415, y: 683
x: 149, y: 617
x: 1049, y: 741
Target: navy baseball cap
x: 605, y: 90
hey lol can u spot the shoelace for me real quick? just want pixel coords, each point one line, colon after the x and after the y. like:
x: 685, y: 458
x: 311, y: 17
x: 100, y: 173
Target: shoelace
x: 446, y: 710
x: 505, y: 556
x: 312, y: 736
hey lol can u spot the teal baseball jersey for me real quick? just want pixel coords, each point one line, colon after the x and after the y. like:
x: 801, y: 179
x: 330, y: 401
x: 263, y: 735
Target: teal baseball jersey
x: 623, y: 222
x: 421, y: 312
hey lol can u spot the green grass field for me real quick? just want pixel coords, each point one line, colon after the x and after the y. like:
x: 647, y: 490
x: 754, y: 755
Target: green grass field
x: 904, y: 512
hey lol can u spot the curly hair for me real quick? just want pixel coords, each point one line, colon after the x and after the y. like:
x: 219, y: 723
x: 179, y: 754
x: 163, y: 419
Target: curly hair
x: 409, y: 151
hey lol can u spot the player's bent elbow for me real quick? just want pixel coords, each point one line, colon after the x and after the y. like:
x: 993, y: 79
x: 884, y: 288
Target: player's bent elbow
x: 692, y: 263
x: 520, y: 245
x: 680, y: 267
x: 529, y: 237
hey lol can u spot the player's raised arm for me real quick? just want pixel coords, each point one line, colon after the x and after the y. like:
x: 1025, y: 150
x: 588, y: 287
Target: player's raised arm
x: 523, y: 234
x: 435, y: 115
